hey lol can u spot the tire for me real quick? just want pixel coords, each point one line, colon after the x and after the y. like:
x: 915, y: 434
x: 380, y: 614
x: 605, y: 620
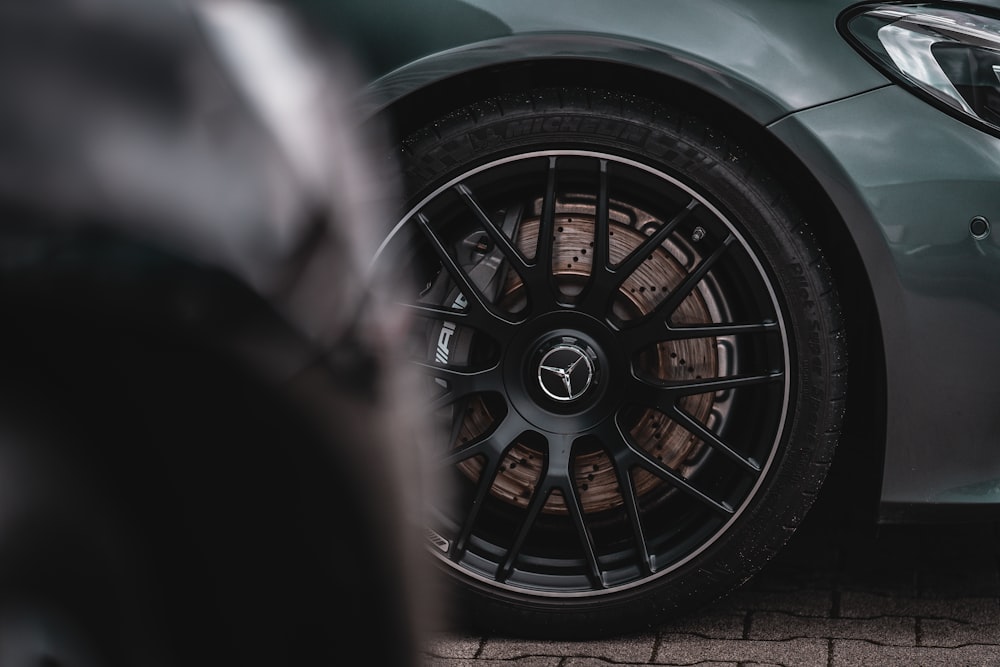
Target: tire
x: 625, y: 444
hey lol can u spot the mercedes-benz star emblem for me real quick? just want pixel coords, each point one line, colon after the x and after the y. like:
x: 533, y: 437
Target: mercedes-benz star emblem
x: 565, y: 372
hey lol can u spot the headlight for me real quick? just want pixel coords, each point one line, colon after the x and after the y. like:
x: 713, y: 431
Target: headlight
x: 949, y: 56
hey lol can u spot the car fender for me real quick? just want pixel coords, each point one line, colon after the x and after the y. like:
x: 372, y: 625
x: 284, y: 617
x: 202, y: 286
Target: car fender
x: 748, y: 56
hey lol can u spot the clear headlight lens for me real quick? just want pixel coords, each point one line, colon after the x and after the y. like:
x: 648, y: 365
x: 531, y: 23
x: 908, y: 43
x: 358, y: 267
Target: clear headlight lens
x: 950, y: 56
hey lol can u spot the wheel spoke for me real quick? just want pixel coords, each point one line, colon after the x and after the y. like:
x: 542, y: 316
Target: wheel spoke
x: 607, y: 282
x: 461, y: 382
x: 556, y: 476
x: 512, y: 254
x: 714, y: 441
x: 632, y: 455
x: 559, y: 476
x: 477, y: 301
x: 665, y: 309
x: 572, y: 499
x: 705, y: 385
x: 493, y: 444
x: 443, y: 313
x: 602, y: 249
x: 662, y: 396
x: 635, y: 259
x: 596, y: 293
x: 716, y: 330
x: 486, y: 478
x: 538, y: 499
x: 651, y: 330
x: 631, y: 501
x: 482, y: 322
x: 547, y: 223
x: 538, y: 279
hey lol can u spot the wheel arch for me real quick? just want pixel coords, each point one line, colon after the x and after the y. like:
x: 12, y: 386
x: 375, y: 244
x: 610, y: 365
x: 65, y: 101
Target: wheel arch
x: 743, y: 113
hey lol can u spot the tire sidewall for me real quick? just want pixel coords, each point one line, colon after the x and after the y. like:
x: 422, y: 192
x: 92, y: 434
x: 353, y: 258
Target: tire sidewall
x: 751, y: 200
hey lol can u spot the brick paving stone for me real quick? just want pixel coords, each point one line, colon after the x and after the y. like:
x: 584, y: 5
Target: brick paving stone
x: 520, y: 662
x: 934, y: 632
x: 600, y: 662
x: 804, y: 602
x: 832, y: 599
x: 593, y: 662
x: 890, y: 630
x: 448, y: 645
x: 678, y: 650
x: 711, y: 625
x: 967, y: 610
x: 848, y: 653
x: 629, y: 650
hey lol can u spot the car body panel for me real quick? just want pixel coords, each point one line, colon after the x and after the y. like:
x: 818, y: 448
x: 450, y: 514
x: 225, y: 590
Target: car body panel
x: 906, y: 180
x: 909, y: 179
x: 768, y: 58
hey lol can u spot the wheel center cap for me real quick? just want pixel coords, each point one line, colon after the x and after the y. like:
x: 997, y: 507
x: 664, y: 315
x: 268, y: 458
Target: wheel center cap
x: 566, y: 372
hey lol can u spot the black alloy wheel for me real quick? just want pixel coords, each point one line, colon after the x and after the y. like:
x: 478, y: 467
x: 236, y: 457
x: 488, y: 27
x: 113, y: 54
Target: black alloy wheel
x: 633, y: 351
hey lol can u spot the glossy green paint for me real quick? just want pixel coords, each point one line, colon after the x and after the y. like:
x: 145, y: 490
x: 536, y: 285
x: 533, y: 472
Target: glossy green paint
x: 767, y: 57
x: 790, y: 51
x: 908, y: 179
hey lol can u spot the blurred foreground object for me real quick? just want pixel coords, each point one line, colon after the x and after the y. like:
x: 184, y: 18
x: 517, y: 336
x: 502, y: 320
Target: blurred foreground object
x: 206, y: 451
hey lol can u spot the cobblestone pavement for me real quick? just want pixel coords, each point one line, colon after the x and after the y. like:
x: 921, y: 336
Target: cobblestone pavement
x: 843, y: 592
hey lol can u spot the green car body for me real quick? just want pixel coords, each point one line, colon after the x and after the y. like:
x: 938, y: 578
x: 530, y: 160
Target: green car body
x: 898, y: 183
x: 899, y: 180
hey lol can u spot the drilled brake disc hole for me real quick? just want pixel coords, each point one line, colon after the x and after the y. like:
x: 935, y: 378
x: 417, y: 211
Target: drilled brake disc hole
x: 665, y: 440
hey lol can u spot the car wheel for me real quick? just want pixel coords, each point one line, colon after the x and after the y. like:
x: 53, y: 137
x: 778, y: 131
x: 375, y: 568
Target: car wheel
x: 633, y: 349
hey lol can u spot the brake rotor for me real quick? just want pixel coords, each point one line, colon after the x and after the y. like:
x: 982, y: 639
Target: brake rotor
x: 652, y: 431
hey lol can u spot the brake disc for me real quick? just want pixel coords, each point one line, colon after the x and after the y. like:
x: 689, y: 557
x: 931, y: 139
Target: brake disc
x: 572, y: 262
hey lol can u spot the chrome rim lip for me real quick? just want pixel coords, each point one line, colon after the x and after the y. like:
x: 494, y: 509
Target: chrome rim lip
x: 782, y: 329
